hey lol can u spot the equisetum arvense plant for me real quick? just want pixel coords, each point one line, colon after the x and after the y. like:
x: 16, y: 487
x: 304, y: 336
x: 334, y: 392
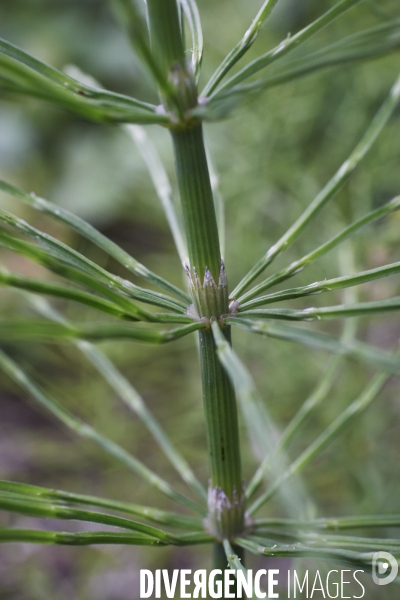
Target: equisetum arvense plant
x: 225, y: 514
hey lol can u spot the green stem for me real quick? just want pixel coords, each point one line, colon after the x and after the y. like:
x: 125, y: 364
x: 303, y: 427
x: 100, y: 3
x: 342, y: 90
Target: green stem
x: 197, y: 202
x: 226, y: 494
x: 165, y: 33
x: 220, y: 561
x: 206, y: 276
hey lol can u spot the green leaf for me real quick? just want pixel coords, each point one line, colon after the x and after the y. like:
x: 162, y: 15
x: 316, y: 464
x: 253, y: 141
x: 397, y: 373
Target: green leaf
x: 154, y: 515
x: 97, y: 238
x: 22, y: 73
x: 321, y: 341
x: 329, y: 191
x: 261, y: 430
x: 325, y: 286
x: 290, y: 43
x: 298, y: 265
x: 88, y: 432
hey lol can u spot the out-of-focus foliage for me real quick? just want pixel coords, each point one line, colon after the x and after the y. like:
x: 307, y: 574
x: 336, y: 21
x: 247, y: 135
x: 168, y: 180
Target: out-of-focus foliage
x: 272, y: 156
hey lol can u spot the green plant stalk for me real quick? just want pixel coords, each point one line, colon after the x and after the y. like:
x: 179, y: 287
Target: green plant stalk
x: 226, y: 493
x: 206, y: 278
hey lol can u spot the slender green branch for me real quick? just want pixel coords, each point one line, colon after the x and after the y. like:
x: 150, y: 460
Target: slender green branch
x: 369, y: 44
x: 34, y: 536
x: 22, y: 73
x: 192, y: 15
x: 325, y: 286
x: 356, y: 408
x: 241, y: 48
x: 95, y: 332
x: 132, y: 399
x: 301, y: 263
x: 288, y: 44
x: 55, y: 511
x: 319, y: 393
x: 88, y: 432
x: 104, y: 284
x: 234, y: 559
x: 320, y: 341
x: 97, y: 238
x: 154, y: 515
x: 273, y: 549
x: 127, y: 393
x: 331, y: 188
x: 342, y: 541
x: 68, y: 293
x: 261, y: 430
x: 333, y: 523
x: 361, y: 309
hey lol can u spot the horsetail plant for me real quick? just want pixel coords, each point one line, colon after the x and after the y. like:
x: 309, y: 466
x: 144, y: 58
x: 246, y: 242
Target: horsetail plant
x: 225, y: 514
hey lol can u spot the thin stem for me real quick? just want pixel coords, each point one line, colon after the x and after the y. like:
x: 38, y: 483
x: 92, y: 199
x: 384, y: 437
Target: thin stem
x: 207, y: 281
x: 241, y: 48
x: 288, y: 44
x: 304, y: 261
x: 325, y: 286
x: 197, y: 202
x: 339, y: 424
x: 360, y: 351
x: 86, y: 431
x: 330, y: 189
x: 151, y: 514
x: 95, y: 332
x: 333, y: 523
x: 327, y: 312
x: 90, y: 233
x: 226, y: 495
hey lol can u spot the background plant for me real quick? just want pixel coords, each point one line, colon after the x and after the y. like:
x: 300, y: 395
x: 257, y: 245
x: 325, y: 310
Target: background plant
x: 217, y: 108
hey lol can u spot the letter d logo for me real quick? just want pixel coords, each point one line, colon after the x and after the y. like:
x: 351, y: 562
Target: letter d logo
x: 383, y: 562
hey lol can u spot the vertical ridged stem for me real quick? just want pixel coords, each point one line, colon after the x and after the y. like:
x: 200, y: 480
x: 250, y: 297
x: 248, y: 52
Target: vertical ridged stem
x: 206, y: 277
x: 226, y: 494
x: 197, y: 202
x: 165, y: 33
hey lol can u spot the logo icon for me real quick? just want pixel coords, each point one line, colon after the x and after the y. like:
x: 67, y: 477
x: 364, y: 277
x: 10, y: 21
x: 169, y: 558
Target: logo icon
x: 384, y: 568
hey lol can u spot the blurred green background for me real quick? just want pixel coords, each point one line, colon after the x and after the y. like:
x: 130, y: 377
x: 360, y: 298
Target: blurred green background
x: 272, y: 156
